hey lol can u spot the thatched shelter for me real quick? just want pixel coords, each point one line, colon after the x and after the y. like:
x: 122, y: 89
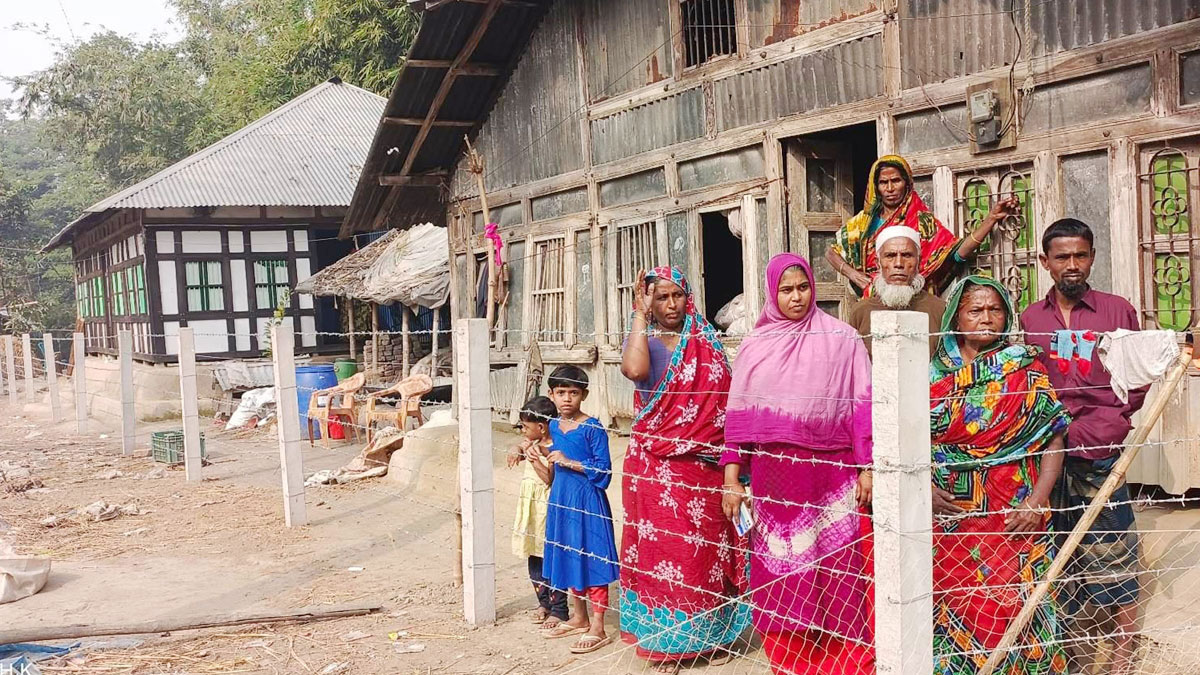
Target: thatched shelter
x: 410, y: 267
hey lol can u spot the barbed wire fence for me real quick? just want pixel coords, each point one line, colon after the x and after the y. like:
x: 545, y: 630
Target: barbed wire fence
x: 937, y: 594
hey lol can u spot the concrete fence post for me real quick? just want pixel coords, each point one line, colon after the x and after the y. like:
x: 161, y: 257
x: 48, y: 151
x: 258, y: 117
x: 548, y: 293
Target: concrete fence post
x: 79, y: 374
x: 472, y: 384
x: 50, y: 358
x: 902, y: 505
x: 287, y: 407
x: 10, y: 364
x: 128, y: 423
x: 27, y: 348
x: 189, y: 405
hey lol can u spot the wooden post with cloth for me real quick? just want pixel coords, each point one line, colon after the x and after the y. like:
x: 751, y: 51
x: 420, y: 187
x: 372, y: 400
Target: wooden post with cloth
x: 497, y: 270
x: 1115, y: 478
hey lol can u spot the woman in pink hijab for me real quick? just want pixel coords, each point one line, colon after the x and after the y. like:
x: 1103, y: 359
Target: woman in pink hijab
x: 799, y: 424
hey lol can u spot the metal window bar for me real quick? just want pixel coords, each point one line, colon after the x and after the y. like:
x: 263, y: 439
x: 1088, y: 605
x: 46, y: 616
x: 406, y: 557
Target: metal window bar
x: 709, y: 30
x: 1009, y: 254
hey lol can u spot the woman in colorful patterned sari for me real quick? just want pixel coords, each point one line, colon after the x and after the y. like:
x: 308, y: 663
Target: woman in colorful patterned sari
x: 799, y: 421
x: 997, y: 430
x: 891, y: 200
x: 681, y: 563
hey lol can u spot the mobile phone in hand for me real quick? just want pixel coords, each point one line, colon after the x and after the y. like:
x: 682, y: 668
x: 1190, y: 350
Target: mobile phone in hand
x: 745, y: 519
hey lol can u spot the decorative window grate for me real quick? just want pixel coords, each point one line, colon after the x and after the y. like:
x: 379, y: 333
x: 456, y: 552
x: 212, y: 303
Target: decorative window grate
x: 271, y: 284
x: 1170, y: 189
x: 709, y: 30
x: 203, y: 284
x: 1009, y: 255
x: 549, y: 290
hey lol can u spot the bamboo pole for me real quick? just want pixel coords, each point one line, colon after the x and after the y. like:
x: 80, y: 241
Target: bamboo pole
x: 350, y: 308
x: 407, y: 346
x: 375, y: 341
x: 475, y: 164
x: 74, y: 631
x: 1114, y: 480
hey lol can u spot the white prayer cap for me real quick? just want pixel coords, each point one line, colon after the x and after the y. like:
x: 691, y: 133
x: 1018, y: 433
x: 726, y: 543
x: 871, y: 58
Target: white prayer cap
x: 894, y: 231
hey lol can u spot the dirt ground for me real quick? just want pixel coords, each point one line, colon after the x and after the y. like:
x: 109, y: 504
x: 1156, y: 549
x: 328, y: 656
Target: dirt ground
x: 221, y: 546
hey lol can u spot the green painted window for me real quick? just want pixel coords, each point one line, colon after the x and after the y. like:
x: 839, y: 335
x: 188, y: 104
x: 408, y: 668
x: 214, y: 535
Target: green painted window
x: 117, y: 285
x: 138, y: 276
x: 1170, y: 241
x: 1009, y: 253
x: 97, y: 297
x: 203, y: 284
x: 977, y: 196
x: 271, y: 284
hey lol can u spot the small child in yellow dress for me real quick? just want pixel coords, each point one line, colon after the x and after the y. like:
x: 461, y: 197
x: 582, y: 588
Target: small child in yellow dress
x: 529, y: 526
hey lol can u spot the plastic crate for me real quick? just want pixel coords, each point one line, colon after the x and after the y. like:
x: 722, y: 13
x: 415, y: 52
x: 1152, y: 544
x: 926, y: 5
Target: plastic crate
x: 167, y: 446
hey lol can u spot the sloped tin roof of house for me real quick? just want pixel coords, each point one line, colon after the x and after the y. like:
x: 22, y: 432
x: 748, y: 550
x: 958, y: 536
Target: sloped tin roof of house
x: 307, y: 152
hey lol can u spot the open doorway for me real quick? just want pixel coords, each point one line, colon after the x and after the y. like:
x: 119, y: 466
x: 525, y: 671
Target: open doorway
x: 722, y: 261
x: 826, y: 175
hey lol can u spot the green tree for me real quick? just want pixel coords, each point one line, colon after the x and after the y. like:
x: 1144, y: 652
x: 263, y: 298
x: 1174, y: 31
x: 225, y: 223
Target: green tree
x: 296, y: 45
x: 42, y: 188
x: 127, y: 106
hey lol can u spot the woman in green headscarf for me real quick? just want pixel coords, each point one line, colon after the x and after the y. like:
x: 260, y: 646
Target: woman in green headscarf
x: 997, y: 430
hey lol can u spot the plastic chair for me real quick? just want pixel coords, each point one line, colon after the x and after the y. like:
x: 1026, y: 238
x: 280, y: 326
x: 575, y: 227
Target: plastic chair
x: 410, y: 390
x: 340, y: 401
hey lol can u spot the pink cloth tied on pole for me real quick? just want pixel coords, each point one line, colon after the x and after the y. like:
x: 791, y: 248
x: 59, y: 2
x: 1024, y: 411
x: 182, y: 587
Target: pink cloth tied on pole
x: 492, y: 231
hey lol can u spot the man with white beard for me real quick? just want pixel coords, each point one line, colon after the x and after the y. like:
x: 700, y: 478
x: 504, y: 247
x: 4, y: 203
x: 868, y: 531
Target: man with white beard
x: 898, y: 285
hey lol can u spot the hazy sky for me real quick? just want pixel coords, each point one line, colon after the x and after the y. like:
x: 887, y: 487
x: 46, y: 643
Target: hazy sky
x: 24, y: 51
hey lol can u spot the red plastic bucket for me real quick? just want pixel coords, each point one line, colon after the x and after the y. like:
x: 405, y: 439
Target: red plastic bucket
x: 335, y: 429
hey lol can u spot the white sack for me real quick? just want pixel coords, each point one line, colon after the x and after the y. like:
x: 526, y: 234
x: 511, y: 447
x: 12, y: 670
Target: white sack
x: 20, y: 576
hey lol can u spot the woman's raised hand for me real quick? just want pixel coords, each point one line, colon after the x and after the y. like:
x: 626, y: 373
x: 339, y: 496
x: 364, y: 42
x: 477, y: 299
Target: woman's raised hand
x: 859, y: 278
x: 641, y: 296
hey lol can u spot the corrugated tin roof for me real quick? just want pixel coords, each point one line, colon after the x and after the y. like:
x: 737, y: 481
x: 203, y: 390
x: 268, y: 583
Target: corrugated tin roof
x: 307, y: 152
x: 443, y: 37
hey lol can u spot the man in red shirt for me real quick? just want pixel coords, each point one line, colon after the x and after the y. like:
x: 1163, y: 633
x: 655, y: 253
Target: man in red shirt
x: 1067, y: 325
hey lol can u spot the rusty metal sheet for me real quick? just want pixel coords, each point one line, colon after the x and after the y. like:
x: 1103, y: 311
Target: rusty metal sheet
x: 628, y: 46
x: 770, y: 21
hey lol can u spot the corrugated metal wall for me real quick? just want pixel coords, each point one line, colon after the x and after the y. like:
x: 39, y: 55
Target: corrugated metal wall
x: 769, y: 21
x: 663, y: 122
x: 628, y: 43
x: 532, y: 134
x: 941, y: 39
x: 844, y: 73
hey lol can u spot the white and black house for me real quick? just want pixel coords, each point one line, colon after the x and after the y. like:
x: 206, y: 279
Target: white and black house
x: 217, y: 241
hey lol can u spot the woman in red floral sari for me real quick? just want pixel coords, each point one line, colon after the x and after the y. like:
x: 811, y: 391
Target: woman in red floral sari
x: 682, y: 566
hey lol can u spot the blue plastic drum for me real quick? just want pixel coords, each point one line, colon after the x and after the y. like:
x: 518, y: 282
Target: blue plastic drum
x: 308, y: 380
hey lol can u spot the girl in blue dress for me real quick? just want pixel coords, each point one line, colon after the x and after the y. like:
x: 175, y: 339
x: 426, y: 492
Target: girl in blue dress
x: 581, y: 551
